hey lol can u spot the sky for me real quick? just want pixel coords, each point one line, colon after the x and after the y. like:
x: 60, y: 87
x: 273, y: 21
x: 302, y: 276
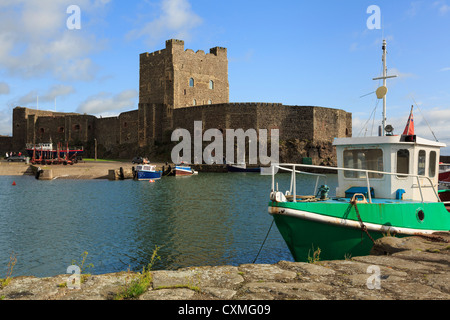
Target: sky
x: 83, y: 55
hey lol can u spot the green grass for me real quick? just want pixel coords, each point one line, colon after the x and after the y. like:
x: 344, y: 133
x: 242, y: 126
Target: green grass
x: 105, y: 160
x: 12, y: 262
x: 140, y: 282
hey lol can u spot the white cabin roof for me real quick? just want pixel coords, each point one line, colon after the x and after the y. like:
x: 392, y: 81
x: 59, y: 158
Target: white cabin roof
x: 379, y: 140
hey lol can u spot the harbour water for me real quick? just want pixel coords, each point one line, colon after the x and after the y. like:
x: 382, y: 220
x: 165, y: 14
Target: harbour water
x: 208, y: 219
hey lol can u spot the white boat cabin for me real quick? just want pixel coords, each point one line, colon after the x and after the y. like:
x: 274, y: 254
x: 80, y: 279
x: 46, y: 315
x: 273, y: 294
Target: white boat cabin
x: 410, y: 167
x: 146, y: 167
x: 40, y: 146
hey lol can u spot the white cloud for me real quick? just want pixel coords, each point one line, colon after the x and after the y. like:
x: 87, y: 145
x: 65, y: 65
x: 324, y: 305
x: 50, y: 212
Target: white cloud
x: 442, y: 6
x: 414, y: 9
x: 106, y: 103
x: 426, y: 122
x: 35, y: 41
x: 5, y: 122
x: 4, y: 88
x: 177, y: 20
x: 401, y: 75
x: 445, y: 69
x: 54, y: 92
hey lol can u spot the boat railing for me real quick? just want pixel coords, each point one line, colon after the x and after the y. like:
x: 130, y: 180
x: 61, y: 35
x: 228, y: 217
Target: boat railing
x: 287, y: 166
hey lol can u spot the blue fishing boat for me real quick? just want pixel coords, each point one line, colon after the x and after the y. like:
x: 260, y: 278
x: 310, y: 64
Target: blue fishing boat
x: 147, y: 172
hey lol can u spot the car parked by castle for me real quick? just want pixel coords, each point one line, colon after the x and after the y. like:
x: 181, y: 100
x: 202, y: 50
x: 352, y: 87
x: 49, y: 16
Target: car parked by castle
x: 16, y: 159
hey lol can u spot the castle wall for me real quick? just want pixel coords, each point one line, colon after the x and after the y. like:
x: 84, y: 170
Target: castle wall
x: 331, y: 123
x: 5, y: 145
x: 151, y: 123
x: 107, y: 132
x: 40, y: 126
x: 128, y: 122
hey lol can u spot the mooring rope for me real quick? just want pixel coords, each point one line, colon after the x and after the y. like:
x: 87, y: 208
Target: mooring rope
x: 262, y: 245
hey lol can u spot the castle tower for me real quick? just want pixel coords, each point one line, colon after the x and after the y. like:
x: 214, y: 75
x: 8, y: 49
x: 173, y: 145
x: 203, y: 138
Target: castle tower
x: 175, y: 78
x: 182, y: 78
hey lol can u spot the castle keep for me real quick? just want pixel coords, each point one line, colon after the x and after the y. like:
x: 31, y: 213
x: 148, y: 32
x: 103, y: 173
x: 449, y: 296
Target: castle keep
x: 176, y: 88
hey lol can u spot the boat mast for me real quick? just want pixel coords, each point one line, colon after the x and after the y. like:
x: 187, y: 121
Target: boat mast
x: 384, y: 77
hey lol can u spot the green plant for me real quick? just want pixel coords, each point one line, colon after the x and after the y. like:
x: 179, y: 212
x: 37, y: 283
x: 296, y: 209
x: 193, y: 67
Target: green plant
x: 316, y: 255
x: 83, y: 267
x: 12, y: 262
x: 140, y: 282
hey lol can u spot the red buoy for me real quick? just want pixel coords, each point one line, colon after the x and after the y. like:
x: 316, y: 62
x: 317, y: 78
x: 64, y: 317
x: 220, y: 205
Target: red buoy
x: 14, y: 183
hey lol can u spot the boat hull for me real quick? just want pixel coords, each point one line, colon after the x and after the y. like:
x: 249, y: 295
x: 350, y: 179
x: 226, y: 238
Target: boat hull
x: 242, y: 169
x: 335, y: 229
x: 148, y: 175
x: 183, y: 171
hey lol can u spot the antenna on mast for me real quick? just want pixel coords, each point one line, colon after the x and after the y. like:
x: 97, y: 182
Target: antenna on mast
x: 382, y: 91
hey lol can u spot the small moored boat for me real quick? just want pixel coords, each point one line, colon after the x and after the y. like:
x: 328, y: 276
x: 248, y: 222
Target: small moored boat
x: 147, y: 172
x: 183, y: 170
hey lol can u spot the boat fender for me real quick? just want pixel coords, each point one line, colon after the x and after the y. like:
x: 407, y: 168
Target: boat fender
x: 278, y: 196
x: 38, y: 173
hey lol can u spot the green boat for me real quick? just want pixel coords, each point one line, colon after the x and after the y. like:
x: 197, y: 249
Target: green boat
x: 387, y: 186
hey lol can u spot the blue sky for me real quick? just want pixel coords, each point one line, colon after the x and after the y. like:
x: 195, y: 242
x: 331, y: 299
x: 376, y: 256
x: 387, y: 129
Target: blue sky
x: 293, y: 52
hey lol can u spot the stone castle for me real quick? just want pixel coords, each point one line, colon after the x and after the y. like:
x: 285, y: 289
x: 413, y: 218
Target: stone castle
x: 176, y: 88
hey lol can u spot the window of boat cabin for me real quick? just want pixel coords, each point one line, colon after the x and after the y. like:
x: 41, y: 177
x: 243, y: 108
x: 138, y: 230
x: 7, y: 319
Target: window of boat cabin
x: 364, y: 159
x: 432, y: 166
x: 402, y: 162
x: 421, y: 163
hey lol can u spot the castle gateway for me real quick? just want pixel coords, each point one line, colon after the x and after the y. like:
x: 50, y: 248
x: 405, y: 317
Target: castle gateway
x: 176, y: 88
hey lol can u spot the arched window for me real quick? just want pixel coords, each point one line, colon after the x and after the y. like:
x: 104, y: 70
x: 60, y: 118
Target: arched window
x: 209, y: 102
x: 195, y: 102
x: 191, y: 82
x: 211, y: 84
